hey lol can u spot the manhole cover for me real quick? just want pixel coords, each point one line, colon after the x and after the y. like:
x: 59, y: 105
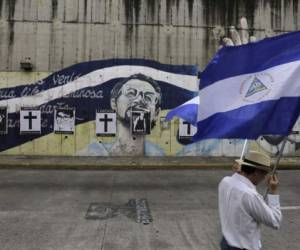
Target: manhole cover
x: 135, y: 209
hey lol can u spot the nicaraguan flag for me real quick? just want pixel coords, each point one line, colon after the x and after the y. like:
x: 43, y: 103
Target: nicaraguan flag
x: 187, y: 111
x: 251, y: 90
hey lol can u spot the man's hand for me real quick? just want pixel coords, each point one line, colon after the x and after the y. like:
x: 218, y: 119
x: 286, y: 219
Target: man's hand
x: 273, y: 184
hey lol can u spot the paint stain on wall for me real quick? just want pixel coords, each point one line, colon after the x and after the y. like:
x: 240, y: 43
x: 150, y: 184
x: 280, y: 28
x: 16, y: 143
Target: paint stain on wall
x: 137, y: 9
x: 287, y: 6
x: 11, y: 33
x: 85, y: 9
x: 129, y: 19
x: 228, y: 13
x: 1, y: 3
x: 151, y: 8
x: 10, y: 4
x: 10, y: 9
x: 275, y: 14
x: 169, y: 46
x: 295, y: 12
x: 190, y: 7
x: 132, y: 14
x: 132, y: 10
x: 54, y: 8
x: 169, y: 10
x: 169, y: 6
x: 247, y: 9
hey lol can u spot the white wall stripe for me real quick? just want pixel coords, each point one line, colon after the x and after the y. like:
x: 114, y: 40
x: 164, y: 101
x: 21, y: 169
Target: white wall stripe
x: 99, y: 77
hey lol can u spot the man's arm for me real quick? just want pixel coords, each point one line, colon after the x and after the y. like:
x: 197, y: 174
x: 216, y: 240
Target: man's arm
x: 268, y: 214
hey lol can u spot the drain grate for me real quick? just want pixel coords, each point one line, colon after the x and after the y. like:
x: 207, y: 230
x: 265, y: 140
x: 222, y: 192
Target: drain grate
x: 135, y: 209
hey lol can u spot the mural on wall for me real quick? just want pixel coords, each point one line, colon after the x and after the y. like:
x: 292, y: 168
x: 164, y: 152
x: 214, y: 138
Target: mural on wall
x: 136, y: 94
x: 133, y: 89
x: 138, y: 101
x: 111, y: 107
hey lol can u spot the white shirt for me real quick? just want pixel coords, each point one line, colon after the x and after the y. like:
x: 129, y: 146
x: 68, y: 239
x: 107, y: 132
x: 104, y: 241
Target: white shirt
x: 242, y: 209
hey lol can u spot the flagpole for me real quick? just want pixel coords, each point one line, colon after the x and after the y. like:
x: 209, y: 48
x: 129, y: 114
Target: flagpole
x: 244, y: 148
x: 277, y: 162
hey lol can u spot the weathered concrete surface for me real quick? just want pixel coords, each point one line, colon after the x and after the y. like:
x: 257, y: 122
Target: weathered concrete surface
x: 56, y: 34
x: 45, y: 209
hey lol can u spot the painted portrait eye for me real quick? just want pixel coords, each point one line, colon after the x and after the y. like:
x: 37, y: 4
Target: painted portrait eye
x: 131, y: 93
x: 149, y: 97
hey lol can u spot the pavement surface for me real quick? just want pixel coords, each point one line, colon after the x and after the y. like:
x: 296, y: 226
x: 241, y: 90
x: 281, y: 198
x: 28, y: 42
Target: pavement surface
x: 46, y: 209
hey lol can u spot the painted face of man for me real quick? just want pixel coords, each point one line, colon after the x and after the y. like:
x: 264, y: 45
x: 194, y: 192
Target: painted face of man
x: 136, y: 95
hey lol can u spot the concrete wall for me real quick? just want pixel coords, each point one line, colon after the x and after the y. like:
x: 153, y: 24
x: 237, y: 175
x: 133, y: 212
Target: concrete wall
x: 58, y: 33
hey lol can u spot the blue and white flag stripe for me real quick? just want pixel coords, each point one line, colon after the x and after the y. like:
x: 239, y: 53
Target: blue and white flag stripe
x: 187, y: 111
x: 234, y: 124
x: 258, y: 93
x: 231, y: 96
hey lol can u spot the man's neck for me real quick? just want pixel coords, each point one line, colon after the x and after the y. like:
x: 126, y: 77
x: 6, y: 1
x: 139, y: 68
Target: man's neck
x: 126, y: 143
x: 250, y: 177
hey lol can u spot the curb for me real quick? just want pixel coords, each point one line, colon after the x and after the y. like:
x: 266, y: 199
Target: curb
x: 130, y: 163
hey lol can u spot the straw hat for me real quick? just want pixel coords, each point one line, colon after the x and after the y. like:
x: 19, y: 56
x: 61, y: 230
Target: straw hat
x: 257, y: 160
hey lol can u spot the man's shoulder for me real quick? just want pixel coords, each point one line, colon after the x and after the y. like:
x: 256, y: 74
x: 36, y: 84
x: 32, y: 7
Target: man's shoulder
x: 225, y: 181
x: 235, y: 182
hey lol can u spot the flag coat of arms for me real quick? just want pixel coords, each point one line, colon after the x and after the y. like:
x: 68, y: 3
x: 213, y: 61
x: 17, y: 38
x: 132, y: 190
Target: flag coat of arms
x: 251, y: 90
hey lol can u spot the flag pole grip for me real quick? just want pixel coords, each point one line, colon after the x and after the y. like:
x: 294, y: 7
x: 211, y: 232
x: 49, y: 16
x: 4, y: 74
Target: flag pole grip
x: 277, y: 162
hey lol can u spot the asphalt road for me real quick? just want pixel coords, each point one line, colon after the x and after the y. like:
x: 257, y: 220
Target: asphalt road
x: 46, y: 209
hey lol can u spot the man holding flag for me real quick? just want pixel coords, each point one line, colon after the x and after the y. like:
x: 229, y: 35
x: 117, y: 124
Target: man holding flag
x: 256, y: 94
x: 242, y: 209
